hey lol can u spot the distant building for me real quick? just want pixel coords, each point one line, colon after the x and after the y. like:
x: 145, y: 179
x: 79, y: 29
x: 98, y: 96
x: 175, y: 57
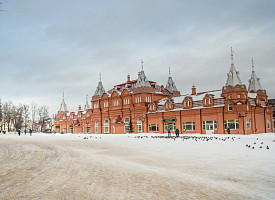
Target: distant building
x: 272, y: 104
x: 149, y: 107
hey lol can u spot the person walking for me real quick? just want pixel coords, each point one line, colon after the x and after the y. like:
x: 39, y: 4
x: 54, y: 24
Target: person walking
x: 30, y: 132
x: 177, y: 133
x: 169, y: 132
x: 228, y: 130
x: 18, y: 132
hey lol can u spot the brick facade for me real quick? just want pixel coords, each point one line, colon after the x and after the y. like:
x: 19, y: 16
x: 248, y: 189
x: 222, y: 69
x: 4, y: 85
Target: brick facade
x: 154, y: 108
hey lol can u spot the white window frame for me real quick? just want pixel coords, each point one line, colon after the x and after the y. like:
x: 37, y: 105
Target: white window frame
x: 230, y: 107
x: 234, y: 124
x: 153, y: 125
x: 268, y: 124
x: 188, y: 124
x: 106, y: 126
x: 126, y: 125
x: 96, y: 126
x: 139, y: 125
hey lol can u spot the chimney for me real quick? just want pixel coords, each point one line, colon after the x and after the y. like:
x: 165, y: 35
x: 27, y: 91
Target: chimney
x: 194, y: 91
x: 79, y: 107
x: 138, y: 74
x: 128, y: 78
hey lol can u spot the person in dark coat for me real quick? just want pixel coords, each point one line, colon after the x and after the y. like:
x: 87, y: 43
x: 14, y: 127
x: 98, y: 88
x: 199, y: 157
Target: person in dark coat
x: 228, y: 130
x: 19, y: 132
x: 169, y: 132
x: 30, y: 132
x: 177, y: 133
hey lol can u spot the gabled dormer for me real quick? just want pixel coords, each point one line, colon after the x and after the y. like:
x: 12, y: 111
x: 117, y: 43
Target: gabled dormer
x: 187, y: 103
x: 169, y: 105
x: 208, y: 101
x: 152, y: 107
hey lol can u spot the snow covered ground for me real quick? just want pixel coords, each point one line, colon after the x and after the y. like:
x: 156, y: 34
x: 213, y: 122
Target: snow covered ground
x: 137, y: 166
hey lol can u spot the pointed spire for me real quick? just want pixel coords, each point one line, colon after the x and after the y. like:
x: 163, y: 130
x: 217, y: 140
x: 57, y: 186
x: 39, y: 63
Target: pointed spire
x: 142, y: 79
x: 87, y: 104
x: 232, y: 62
x: 63, y: 106
x: 254, y: 82
x: 233, y: 77
x: 252, y: 65
x: 100, y: 89
x: 170, y: 85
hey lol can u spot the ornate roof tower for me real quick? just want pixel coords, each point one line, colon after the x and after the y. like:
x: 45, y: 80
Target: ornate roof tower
x: 254, y: 82
x: 142, y: 79
x: 170, y: 85
x: 233, y: 77
x: 100, y: 89
x: 63, y: 106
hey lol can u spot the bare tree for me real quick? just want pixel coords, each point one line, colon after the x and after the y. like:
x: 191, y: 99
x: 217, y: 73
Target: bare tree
x: 43, y: 116
x: 25, y: 108
x: 17, y: 116
x: 7, y: 114
x: 34, y: 112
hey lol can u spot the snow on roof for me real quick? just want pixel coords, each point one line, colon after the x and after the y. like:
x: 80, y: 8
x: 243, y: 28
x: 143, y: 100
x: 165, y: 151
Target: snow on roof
x: 252, y: 95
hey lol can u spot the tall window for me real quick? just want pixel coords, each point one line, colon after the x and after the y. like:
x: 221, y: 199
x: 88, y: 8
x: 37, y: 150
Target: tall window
x: 139, y: 125
x: 126, y: 125
x: 115, y: 103
x: 230, y: 107
x: 232, y: 124
x: 268, y: 124
x: 188, y: 126
x: 106, y: 126
x: 138, y: 99
x: 96, y: 126
x: 248, y: 124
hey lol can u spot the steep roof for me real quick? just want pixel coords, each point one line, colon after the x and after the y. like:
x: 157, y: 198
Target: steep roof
x: 63, y: 106
x: 100, y: 89
x: 254, y: 82
x: 233, y: 77
x: 142, y: 80
x: 170, y: 85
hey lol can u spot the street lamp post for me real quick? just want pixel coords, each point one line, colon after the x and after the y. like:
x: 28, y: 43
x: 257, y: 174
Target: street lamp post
x: 243, y: 116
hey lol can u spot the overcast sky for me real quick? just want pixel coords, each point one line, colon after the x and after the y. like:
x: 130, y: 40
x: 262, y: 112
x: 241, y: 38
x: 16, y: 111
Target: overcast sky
x: 49, y: 46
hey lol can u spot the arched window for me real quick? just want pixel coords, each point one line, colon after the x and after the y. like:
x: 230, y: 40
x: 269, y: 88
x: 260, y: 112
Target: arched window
x: 139, y: 125
x: 96, y: 126
x: 209, y: 101
x: 230, y: 107
x: 106, y: 126
x: 126, y: 125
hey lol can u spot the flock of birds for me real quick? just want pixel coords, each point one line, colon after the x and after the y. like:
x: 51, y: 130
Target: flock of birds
x: 197, y: 138
x: 208, y: 138
x: 260, y: 143
x: 86, y: 138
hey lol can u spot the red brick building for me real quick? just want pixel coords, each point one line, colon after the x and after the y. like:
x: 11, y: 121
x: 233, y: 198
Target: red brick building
x: 148, y: 107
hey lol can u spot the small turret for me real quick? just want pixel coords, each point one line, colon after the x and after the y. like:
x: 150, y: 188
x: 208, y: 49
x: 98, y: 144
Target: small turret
x: 171, y: 86
x: 100, y: 89
x: 63, y: 106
